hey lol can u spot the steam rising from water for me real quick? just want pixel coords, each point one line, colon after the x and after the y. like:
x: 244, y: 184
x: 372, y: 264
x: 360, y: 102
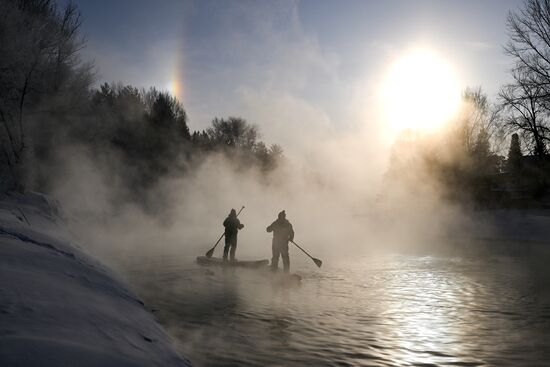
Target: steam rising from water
x: 332, y: 199
x: 326, y: 205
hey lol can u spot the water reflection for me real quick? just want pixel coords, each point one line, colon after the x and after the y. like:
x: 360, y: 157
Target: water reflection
x: 399, y: 310
x: 421, y: 304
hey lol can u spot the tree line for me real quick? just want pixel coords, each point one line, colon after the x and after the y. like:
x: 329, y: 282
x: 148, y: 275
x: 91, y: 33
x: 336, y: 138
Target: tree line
x: 47, y: 101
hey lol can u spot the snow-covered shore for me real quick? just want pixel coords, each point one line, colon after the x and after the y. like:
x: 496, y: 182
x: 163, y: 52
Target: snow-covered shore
x: 61, y: 307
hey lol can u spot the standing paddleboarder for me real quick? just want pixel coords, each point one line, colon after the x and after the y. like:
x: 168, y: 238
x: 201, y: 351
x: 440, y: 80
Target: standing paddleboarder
x: 282, y: 233
x: 232, y: 225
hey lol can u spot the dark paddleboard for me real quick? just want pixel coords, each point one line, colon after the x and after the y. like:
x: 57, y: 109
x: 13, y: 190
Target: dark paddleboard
x: 216, y: 261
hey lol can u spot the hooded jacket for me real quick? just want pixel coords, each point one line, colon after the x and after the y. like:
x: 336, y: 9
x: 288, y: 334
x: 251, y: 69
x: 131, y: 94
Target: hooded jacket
x: 282, y: 231
x: 232, y: 225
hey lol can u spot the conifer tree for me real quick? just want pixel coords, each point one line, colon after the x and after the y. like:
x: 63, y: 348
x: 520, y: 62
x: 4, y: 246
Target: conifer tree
x: 514, y: 154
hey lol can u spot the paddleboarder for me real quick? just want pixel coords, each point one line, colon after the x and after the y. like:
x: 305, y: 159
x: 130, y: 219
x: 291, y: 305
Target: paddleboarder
x: 232, y: 225
x: 282, y: 233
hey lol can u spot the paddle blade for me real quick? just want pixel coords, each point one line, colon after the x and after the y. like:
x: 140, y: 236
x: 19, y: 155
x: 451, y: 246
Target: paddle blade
x: 210, y: 253
x: 317, y: 262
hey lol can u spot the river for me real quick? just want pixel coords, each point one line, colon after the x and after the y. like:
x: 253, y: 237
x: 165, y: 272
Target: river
x: 390, y: 310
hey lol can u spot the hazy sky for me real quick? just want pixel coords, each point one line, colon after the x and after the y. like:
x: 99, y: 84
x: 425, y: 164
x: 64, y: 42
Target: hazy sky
x: 311, y: 63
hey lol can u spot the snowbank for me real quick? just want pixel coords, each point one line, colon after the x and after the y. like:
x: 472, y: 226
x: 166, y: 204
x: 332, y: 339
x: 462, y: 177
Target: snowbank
x: 59, y: 306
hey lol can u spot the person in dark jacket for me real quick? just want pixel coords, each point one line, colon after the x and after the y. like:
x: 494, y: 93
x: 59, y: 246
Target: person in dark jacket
x: 282, y: 233
x: 232, y: 225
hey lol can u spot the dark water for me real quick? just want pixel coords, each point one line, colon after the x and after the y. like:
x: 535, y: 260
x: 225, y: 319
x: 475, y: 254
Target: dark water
x: 386, y: 311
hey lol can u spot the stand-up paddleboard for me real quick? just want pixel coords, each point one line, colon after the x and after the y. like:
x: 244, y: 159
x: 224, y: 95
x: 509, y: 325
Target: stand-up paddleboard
x: 216, y: 261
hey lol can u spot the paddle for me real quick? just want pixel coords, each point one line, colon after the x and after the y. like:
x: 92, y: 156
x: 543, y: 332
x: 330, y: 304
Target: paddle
x: 211, y: 251
x: 316, y: 261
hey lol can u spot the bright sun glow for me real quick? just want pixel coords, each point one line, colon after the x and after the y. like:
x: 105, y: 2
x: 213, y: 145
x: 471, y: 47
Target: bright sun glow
x: 420, y: 92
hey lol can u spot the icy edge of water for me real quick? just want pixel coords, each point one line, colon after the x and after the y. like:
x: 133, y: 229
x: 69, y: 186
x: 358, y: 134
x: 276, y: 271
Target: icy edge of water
x: 61, y: 307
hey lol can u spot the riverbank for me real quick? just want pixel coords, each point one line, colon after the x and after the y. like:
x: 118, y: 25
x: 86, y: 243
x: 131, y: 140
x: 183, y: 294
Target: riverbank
x: 60, y: 306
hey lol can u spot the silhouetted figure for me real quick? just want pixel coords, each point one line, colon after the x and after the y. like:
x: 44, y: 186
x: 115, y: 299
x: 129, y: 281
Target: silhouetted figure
x: 282, y: 233
x: 232, y: 225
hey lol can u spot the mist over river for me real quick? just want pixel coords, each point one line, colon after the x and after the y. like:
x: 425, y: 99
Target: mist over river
x: 417, y: 310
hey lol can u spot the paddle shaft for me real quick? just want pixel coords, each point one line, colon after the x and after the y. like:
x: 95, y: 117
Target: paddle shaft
x: 219, y: 239
x: 305, y: 252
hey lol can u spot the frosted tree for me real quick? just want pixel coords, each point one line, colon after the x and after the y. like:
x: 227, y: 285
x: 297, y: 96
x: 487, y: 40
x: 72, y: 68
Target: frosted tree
x: 526, y: 100
x: 41, y: 75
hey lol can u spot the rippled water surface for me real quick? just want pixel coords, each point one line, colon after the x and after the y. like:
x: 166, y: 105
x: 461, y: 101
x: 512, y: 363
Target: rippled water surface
x: 392, y: 310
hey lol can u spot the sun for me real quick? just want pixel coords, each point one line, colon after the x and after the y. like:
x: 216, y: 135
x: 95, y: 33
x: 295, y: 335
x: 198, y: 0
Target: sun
x: 420, y: 91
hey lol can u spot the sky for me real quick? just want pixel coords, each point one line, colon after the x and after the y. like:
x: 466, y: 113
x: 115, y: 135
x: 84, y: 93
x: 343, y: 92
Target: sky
x: 292, y: 67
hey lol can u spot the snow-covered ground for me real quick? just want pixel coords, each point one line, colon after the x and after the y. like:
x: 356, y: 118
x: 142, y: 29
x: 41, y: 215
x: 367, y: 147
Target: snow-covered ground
x: 61, y: 307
